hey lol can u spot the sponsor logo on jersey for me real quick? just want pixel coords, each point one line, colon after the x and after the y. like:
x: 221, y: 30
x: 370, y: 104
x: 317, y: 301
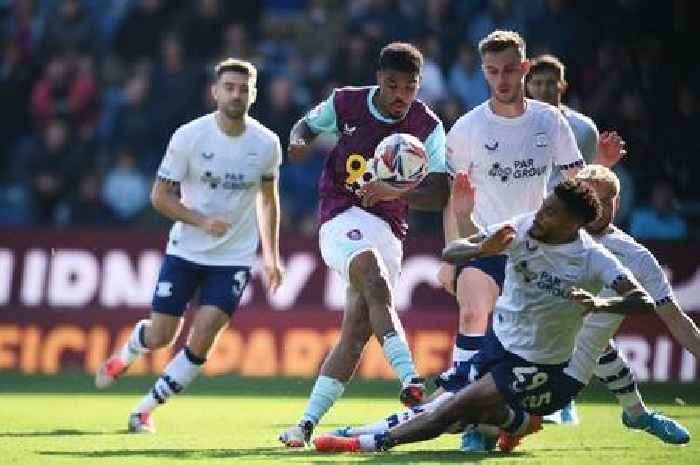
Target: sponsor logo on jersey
x: 519, y: 170
x: 209, y: 178
x: 544, y: 281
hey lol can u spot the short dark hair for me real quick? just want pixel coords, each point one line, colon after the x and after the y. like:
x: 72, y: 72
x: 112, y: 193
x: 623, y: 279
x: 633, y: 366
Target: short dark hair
x: 238, y: 66
x: 401, y: 56
x: 580, y: 200
x: 548, y: 63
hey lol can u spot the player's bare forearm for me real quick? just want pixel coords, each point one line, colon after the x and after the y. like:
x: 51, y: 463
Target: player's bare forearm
x: 634, y: 302
x: 683, y: 329
x: 430, y: 195
x: 166, y: 201
x: 268, y: 211
x: 462, y: 249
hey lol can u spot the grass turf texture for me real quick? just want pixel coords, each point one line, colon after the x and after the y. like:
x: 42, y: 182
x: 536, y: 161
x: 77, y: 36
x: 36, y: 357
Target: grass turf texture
x: 62, y: 420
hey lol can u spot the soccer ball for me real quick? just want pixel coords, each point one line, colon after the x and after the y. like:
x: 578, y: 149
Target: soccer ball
x: 400, y: 159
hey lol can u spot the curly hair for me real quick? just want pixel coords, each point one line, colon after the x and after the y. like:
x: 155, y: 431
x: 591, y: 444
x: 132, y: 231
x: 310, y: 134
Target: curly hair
x: 580, y: 200
x: 401, y: 56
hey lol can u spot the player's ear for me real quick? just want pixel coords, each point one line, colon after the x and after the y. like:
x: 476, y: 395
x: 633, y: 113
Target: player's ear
x: 563, y: 85
x: 214, y: 91
x: 525, y: 66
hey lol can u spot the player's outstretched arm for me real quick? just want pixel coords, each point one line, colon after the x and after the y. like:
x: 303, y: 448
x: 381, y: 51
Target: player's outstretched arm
x: 300, y: 138
x: 468, y: 248
x: 268, y: 211
x: 632, y: 299
x: 166, y: 200
x: 684, y: 329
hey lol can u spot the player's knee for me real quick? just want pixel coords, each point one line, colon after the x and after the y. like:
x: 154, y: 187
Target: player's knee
x: 445, y: 277
x: 160, y: 337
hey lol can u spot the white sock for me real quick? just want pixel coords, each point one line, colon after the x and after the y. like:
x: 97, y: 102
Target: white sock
x: 614, y: 372
x: 368, y: 443
x: 179, y: 373
x: 324, y: 394
x: 134, y: 345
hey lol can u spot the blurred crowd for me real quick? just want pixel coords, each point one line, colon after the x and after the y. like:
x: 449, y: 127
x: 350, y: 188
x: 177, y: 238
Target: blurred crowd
x: 92, y: 89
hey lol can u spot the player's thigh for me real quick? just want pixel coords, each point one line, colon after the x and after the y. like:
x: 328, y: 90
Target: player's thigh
x: 223, y: 286
x: 208, y: 322
x: 178, y: 280
x: 477, y: 292
x: 354, y: 232
x: 467, y: 404
x: 446, y: 277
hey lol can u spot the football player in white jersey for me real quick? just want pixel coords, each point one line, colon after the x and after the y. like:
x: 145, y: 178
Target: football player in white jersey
x: 520, y: 372
x: 218, y: 181
x: 546, y: 82
x: 508, y: 146
x: 592, y: 340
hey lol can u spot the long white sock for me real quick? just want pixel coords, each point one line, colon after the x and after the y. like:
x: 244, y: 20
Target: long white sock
x: 385, y: 424
x: 179, y: 373
x: 614, y: 372
x: 398, y: 355
x: 134, y: 345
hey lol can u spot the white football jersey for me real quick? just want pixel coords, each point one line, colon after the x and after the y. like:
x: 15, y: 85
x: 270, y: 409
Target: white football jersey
x: 586, y: 134
x: 533, y: 318
x: 509, y: 159
x: 219, y: 175
x: 598, y: 328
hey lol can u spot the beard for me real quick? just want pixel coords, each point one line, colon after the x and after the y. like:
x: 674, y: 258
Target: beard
x: 234, y: 112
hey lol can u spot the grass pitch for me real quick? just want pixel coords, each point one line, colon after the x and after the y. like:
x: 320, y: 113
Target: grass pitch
x: 61, y: 420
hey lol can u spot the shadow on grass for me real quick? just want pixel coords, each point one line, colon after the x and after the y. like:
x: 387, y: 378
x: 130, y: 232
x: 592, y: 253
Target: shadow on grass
x: 276, y: 453
x: 56, y: 432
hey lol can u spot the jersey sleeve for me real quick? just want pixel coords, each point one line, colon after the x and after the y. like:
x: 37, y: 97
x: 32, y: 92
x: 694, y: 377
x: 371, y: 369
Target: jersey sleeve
x: 457, y: 155
x: 653, y: 279
x: 566, y: 152
x: 173, y: 167
x: 588, y: 145
x: 273, y: 170
x: 435, y: 148
x: 606, y: 268
x: 322, y: 118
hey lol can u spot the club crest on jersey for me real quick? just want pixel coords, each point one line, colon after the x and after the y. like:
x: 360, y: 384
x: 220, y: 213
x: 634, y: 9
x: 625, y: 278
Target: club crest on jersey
x: 541, y: 140
x: 354, y: 234
x: 349, y: 130
x: 492, y: 147
x: 207, y: 156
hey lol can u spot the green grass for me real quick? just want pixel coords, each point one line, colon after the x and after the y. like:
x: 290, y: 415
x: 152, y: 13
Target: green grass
x: 61, y: 420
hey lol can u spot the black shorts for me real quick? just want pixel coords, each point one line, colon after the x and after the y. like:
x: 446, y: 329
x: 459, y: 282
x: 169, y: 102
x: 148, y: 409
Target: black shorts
x: 494, y: 266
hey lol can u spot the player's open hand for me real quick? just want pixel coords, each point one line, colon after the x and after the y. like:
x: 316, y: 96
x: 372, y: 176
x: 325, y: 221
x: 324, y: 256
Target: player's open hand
x: 216, y: 226
x: 585, y: 299
x: 378, y: 191
x: 463, y: 194
x: 611, y: 149
x: 498, y: 241
x: 298, y: 150
x: 274, y: 273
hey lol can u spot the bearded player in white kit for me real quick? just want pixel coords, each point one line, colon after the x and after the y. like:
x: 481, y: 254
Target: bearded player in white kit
x: 225, y: 166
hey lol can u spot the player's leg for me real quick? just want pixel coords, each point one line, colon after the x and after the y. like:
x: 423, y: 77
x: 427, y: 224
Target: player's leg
x: 369, y: 276
x: 615, y: 373
x: 220, y: 291
x: 336, y: 371
x: 174, y: 289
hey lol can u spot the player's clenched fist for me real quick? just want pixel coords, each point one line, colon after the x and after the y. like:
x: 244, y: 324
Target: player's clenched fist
x: 215, y: 226
x: 499, y: 241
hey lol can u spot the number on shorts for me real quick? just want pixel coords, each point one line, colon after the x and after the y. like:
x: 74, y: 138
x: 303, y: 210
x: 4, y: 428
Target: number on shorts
x: 529, y: 378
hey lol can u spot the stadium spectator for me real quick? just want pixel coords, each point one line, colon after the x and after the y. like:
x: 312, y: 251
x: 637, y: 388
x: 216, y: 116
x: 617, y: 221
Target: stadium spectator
x: 466, y: 80
x: 659, y: 220
x: 140, y: 33
x: 70, y: 28
x: 126, y: 189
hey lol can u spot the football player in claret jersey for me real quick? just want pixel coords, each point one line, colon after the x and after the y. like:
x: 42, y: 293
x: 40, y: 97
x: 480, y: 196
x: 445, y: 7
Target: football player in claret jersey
x: 520, y: 371
x: 218, y: 182
x: 363, y: 221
